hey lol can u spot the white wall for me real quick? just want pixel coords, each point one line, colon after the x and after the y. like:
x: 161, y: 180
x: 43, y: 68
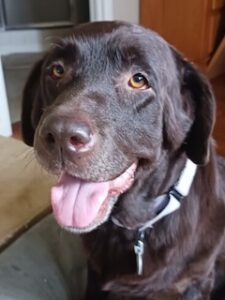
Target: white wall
x: 126, y: 10
x: 5, y: 124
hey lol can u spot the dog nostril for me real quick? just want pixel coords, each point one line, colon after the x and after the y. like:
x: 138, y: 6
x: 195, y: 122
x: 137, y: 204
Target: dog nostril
x: 76, y: 141
x: 81, y: 137
x: 50, y: 139
x: 79, y: 140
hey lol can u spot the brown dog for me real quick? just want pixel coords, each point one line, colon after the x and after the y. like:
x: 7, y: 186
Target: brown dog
x: 125, y: 120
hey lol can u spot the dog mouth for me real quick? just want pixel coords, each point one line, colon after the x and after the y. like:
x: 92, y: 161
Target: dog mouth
x: 81, y: 206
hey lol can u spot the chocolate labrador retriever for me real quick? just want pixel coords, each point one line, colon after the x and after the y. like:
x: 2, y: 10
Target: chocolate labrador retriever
x: 126, y: 123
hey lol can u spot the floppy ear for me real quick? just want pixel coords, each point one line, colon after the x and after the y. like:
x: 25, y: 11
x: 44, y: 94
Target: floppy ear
x: 196, y: 88
x: 32, y: 103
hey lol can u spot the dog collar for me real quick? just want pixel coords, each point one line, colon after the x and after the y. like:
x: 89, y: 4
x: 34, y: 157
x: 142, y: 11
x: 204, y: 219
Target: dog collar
x: 170, y: 202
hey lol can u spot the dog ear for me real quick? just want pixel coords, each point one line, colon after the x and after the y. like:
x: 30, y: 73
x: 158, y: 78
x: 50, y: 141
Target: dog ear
x: 196, y: 88
x: 31, y: 104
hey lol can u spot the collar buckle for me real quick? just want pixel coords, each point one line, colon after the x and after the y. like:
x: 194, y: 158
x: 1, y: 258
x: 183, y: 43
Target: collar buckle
x: 177, y: 195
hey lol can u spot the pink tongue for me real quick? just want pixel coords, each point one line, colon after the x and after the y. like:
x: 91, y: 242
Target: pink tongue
x: 76, y: 203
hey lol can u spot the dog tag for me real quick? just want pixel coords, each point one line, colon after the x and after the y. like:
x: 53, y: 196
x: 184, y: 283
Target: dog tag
x: 139, y: 251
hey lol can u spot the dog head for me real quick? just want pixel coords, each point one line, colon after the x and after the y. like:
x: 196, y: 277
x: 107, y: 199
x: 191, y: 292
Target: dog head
x: 101, y: 101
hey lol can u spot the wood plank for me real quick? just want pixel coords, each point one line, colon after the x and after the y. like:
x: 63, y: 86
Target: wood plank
x: 219, y: 90
x: 217, y: 64
x: 181, y: 23
x: 193, y: 27
x: 218, y: 4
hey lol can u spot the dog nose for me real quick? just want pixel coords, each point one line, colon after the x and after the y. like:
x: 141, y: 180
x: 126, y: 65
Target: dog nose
x: 71, y: 135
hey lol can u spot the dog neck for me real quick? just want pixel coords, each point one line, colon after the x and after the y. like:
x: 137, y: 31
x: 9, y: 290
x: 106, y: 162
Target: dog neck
x: 166, y: 204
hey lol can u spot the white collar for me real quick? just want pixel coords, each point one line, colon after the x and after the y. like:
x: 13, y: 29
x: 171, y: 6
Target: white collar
x: 173, y: 202
x: 175, y: 195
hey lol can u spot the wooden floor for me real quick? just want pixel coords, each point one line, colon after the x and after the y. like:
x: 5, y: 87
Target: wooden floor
x: 218, y: 85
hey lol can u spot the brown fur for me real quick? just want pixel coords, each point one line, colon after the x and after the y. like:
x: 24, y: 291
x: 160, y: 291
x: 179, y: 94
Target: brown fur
x: 184, y: 253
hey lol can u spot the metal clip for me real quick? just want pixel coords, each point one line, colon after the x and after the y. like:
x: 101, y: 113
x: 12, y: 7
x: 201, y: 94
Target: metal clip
x: 139, y: 251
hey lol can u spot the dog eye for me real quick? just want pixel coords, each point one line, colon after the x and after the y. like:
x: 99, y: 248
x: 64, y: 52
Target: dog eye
x: 57, y: 71
x: 138, y: 81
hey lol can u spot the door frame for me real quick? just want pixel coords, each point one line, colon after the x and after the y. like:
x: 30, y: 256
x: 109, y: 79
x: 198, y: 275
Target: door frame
x: 101, y: 10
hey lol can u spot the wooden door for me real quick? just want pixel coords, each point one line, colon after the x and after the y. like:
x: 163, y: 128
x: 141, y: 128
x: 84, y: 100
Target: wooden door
x: 191, y: 26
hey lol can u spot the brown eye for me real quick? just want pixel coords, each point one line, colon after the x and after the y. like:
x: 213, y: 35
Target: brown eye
x: 57, y: 71
x: 138, y: 81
